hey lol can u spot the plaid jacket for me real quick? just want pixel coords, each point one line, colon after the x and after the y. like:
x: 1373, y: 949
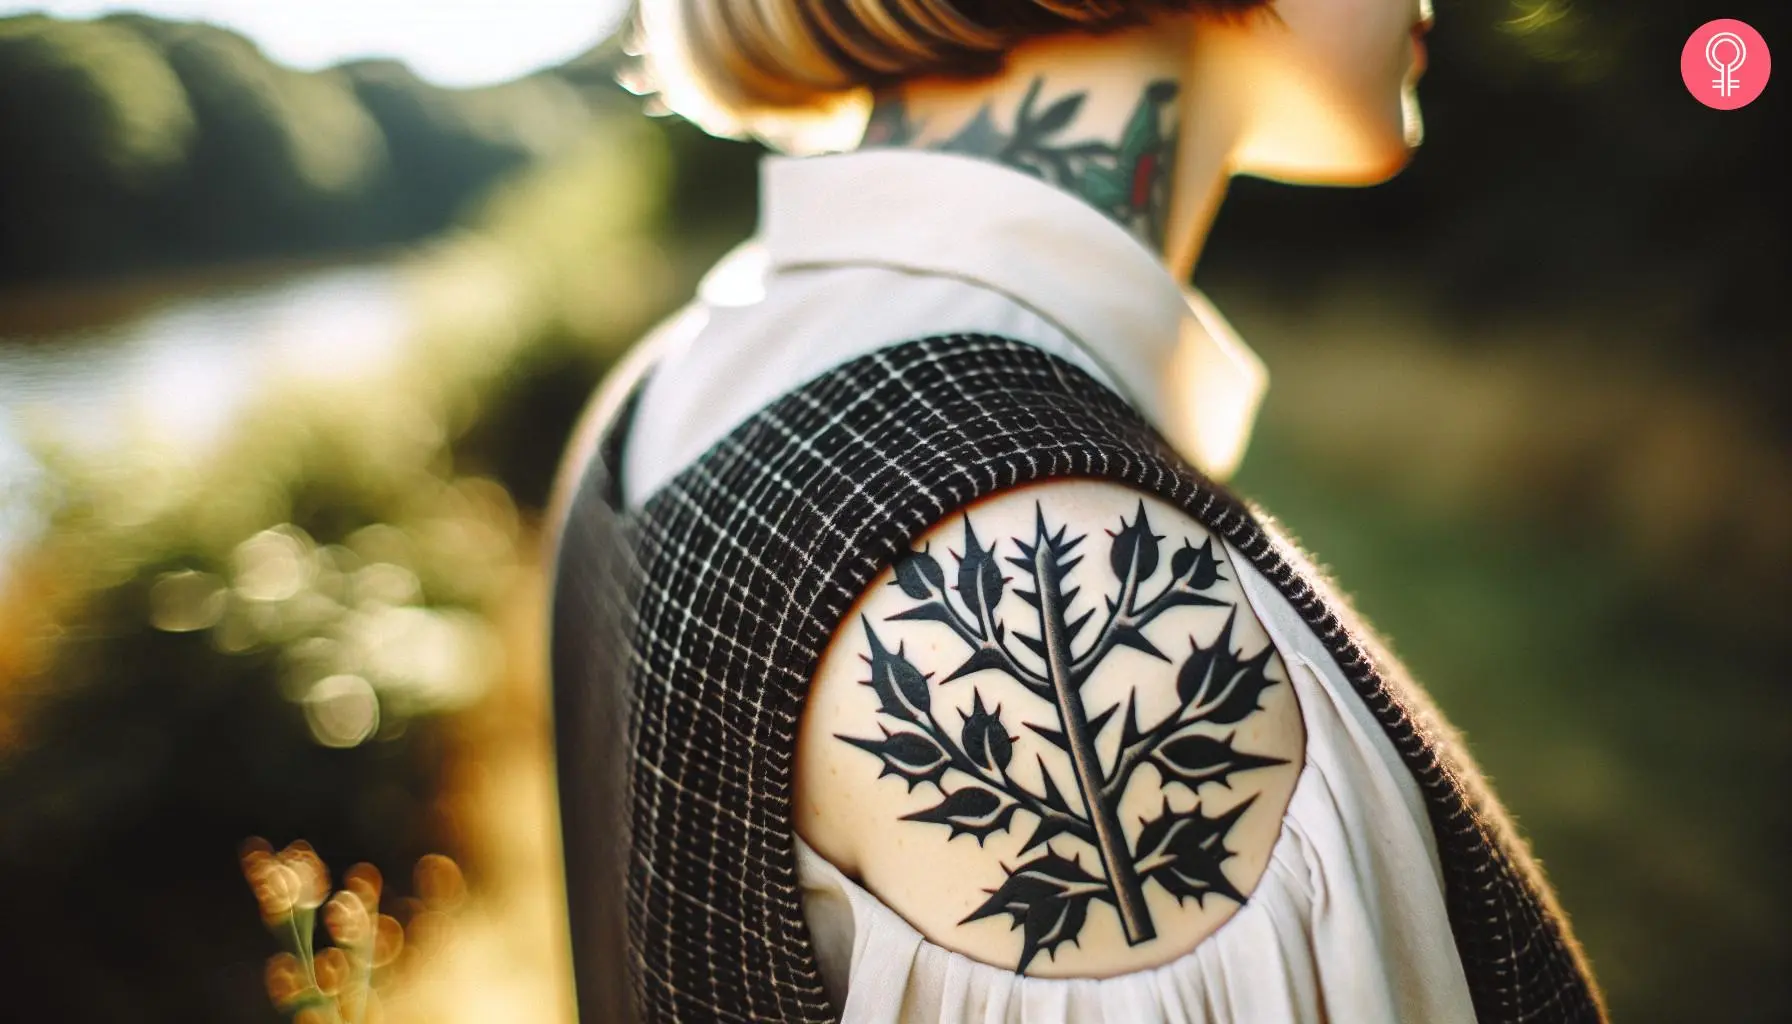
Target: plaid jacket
x: 685, y: 636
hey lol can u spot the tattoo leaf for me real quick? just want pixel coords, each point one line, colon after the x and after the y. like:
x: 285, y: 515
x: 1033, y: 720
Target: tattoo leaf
x: 1217, y: 686
x: 985, y: 658
x: 1048, y: 899
x: 1058, y: 116
x: 1134, y: 551
x: 932, y: 611
x: 900, y: 687
x: 972, y: 810
x: 1142, y: 133
x: 919, y: 575
x: 985, y: 739
x: 1193, y: 760
x: 1183, y: 851
x: 980, y: 580
x: 1027, y: 100
x: 909, y: 755
x: 1176, y: 596
x: 1199, y: 568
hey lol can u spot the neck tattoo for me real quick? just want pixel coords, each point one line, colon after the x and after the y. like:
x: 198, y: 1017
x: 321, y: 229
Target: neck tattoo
x: 1128, y: 178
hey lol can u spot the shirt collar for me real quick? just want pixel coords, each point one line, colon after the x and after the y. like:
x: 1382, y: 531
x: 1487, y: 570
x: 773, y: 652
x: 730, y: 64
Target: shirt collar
x: 1167, y: 349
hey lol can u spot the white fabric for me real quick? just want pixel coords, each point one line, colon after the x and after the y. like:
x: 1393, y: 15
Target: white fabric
x: 1348, y: 922
x: 861, y: 250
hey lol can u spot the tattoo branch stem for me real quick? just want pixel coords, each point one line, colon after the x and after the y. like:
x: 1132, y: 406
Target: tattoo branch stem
x: 1119, y: 616
x: 1026, y: 798
x: 1136, y: 753
x: 985, y: 640
x: 1129, y: 897
x: 1124, y: 617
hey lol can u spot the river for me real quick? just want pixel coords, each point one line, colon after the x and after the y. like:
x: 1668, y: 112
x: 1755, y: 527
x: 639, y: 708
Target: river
x: 184, y: 368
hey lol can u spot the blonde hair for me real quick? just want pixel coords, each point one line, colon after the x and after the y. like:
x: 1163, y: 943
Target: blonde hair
x: 797, y: 73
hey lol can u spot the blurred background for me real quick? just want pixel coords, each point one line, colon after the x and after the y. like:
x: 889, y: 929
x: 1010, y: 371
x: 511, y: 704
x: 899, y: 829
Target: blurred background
x: 298, y: 303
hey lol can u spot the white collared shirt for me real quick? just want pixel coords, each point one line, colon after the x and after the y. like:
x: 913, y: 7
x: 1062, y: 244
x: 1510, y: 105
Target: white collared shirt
x: 864, y: 250
x: 976, y: 248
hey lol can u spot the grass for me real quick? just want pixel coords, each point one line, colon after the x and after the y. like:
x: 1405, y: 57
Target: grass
x: 1625, y: 698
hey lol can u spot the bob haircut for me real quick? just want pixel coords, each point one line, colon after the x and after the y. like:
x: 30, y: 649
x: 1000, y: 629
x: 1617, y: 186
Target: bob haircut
x: 798, y: 73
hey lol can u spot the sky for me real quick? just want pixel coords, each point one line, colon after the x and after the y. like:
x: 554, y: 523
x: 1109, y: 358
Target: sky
x: 449, y: 42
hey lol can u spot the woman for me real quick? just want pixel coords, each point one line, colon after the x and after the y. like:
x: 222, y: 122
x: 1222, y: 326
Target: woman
x: 910, y: 663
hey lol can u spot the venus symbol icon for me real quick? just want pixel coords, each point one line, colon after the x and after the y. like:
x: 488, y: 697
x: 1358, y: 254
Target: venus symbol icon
x: 1726, y: 53
x: 1736, y: 53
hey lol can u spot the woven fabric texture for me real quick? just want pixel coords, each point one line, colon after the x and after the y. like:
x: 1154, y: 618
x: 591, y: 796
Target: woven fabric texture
x: 741, y: 569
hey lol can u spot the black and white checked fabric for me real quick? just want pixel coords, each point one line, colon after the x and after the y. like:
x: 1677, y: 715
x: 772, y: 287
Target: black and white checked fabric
x: 685, y: 637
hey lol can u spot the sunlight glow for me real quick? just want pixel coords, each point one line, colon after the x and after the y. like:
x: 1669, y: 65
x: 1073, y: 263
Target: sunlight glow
x: 449, y: 42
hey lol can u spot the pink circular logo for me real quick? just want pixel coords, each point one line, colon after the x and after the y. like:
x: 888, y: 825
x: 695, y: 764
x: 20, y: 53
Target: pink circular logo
x: 1725, y: 64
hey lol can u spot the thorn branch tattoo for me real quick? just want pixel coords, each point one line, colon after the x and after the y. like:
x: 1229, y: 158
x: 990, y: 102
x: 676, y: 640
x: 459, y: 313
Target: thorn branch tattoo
x: 1125, y: 177
x: 968, y: 764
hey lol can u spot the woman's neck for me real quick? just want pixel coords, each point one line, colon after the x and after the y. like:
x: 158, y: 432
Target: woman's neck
x: 1109, y: 119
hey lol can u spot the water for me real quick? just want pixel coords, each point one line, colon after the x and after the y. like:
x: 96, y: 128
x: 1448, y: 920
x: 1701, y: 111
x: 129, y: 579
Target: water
x: 184, y: 369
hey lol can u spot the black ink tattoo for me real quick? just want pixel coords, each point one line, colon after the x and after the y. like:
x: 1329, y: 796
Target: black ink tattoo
x: 1048, y: 897
x: 1128, y: 179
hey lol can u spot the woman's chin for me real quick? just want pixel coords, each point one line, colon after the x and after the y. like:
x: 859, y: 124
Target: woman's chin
x: 1389, y: 146
x: 1370, y: 162
x: 1340, y: 146
x: 1388, y: 161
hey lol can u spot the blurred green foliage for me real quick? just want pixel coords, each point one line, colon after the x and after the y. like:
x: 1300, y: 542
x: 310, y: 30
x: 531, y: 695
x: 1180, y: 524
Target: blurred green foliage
x: 114, y: 107
x: 137, y: 144
x: 261, y: 637
x: 1528, y: 404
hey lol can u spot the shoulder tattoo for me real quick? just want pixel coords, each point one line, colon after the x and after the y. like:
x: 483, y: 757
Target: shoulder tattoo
x: 1035, y: 712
